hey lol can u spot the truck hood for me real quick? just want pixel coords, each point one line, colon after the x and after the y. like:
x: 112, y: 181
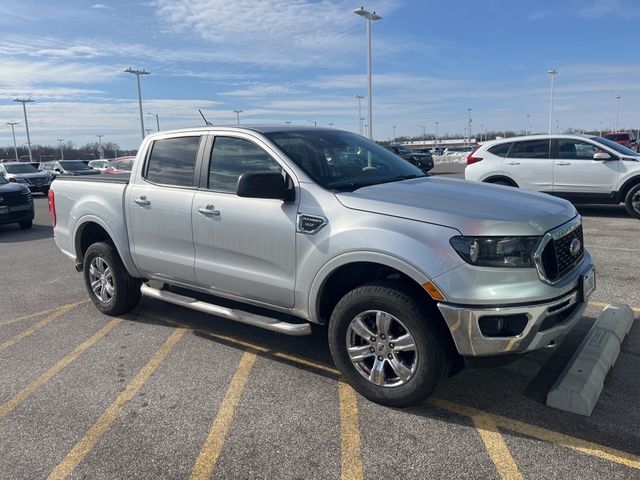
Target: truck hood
x: 472, y: 208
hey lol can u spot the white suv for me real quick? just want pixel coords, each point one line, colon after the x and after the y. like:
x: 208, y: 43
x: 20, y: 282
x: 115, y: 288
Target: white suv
x: 579, y: 168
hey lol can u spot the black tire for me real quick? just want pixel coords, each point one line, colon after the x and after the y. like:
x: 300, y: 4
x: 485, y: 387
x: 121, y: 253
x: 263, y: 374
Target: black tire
x: 429, y: 356
x: 632, y: 201
x: 26, y: 224
x: 120, y: 291
x: 45, y: 191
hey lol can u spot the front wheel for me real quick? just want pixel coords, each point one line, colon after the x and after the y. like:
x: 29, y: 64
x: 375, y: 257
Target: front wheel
x: 112, y: 290
x: 385, y: 344
x: 26, y: 224
x: 632, y: 201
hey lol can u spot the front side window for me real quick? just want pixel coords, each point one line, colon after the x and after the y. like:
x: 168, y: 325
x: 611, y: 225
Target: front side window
x: 173, y: 161
x: 231, y: 157
x: 569, y: 149
x: 530, y: 149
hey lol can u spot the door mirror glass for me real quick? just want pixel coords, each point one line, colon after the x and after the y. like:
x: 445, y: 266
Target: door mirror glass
x: 264, y: 184
x: 601, y: 156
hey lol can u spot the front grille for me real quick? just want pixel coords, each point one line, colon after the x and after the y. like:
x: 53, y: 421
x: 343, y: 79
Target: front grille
x: 15, y: 198
x: 557, y: 258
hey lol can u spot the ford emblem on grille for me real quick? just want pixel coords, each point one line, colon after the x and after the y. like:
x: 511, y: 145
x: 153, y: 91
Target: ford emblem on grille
x: 574, y: 247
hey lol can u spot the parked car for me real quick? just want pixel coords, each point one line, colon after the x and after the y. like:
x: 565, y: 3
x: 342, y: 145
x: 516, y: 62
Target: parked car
x: 580, y: 168
x: 120, y: 165
x: 26, y: 173
x: 100, y: 165
x: 16, y: 204
x: 626, y: 139
x: 284, y: 227
x: 424, y: 161
x: 68, y: 167
x: 458, y: 150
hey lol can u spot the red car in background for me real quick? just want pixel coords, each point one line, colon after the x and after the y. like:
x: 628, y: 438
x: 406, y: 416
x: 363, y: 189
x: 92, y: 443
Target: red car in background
x: 120, y: 165
x: 626, y: 139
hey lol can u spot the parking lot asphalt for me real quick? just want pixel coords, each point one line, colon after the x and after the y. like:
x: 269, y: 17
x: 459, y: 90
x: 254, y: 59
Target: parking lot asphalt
x: 165, y: 392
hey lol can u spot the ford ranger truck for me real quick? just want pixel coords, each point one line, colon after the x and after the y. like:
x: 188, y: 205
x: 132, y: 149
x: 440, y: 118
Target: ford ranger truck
x: 286, y: 227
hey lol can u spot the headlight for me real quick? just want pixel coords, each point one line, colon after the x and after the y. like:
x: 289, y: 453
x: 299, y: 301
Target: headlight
x: 511, y: 252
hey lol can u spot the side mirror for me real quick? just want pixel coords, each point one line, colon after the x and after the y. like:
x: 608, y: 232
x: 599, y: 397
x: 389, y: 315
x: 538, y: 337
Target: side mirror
x: 13, y: 179
x: 265, y: 184
x: 601, y: 156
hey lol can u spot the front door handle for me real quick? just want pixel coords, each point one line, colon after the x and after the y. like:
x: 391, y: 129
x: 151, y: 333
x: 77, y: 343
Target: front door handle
x: 209, y: 210
x: 563, y: 164
x: 513, y: 163
x: 142, y: 201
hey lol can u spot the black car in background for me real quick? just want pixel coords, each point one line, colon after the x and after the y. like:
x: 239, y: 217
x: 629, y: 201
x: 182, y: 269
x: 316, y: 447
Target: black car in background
x: 424, y: 161
x: 26, y: 173
x: 68, y: 167
x: 16, y: 204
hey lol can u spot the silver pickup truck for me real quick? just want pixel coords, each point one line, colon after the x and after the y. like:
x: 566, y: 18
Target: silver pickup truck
x: 284, y: 227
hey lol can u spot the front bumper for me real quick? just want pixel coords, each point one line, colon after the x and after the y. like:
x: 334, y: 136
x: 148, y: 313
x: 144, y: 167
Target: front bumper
x: 546, y: 323
x: 17, y: 213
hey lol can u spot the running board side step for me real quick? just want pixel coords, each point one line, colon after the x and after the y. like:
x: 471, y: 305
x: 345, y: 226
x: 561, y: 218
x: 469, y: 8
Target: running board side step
x: 249, y: 318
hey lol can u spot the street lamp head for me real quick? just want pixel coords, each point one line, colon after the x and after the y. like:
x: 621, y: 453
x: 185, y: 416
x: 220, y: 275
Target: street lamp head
x: 137, y: 71
x: 552, y: 71
x: 23, y: 100
x: 367, y: 14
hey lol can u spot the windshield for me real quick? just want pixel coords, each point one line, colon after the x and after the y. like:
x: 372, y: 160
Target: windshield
x: 617, y: 137
x: 616, y: 146
x: 342, y: 161
x: 403, y: 150
x: 3, y: 180
x: 20, y: 168
x: 74, y: 165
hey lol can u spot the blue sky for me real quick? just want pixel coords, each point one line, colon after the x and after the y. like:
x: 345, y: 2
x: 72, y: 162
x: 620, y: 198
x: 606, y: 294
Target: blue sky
x: 305, y: 60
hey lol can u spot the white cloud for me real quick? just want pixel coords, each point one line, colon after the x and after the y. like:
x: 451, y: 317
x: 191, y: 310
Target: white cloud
x: 26, y: 74
x: 101, y: 6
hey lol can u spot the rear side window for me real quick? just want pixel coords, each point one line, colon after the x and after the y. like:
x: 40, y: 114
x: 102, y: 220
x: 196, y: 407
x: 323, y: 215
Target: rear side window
x: 530, y: 149
x: 172, y: 161
x: 500, y: 150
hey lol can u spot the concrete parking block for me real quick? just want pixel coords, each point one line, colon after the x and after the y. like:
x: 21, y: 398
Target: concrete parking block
x: 580, y: 384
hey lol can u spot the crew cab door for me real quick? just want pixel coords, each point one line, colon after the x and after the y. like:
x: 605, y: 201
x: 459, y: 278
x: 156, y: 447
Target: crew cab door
x: 529, y: 165
x: 159, y: 204
x: 576, y: 171
x: 244, y: 247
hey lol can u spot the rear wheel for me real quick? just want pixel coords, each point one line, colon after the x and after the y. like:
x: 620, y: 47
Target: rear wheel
x: 501, y: 182
x: 112, y: 290
x: 632, y: 201
x: 385, y: 345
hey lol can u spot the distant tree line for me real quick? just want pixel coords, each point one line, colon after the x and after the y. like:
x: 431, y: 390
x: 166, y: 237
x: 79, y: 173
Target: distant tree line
x: 67, y: 150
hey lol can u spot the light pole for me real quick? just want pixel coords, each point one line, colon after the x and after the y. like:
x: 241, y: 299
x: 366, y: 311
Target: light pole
x: 148, y: 130
x: 359, y: 98
x: 100, y: 138
x: 24, y: 102
x: 394, y: 134
x: 157, y: 119
x: 331, y: 125
x: 13, y: 132
x: 600, y: 127
x: 369, y: 16
x: 60, y: 140
x: 437, y: 133
x: 482, y: 132
x: 469, y: 126
x: 527, y: 130
x: 424, y: 133
x: 315, y: 123
x: 137, y: 73
x: 552, y: 72
x: 238, y: 112
x: 618, y: 97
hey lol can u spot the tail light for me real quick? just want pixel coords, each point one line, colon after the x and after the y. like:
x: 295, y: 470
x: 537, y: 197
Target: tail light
x: 52, y: 206
x: 471, y: 159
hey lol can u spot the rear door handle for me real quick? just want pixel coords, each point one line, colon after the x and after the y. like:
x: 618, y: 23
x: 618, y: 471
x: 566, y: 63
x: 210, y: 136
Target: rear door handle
x: 142, y: 201
x: 563, y: 164
x: 209, y: 210
x: 513, y: 163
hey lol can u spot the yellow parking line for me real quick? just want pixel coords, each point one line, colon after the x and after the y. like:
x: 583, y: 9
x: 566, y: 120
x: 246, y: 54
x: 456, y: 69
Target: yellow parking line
x: 206, y: 462
x: 496, y: 447
x: 583, y: 446
x: 23, y: 394
x: 37, y: 314
x: 84, y: 446
x: 34, y: 328
x: 351, y: 460
x: 603, y: 305
x: 589, y: 448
